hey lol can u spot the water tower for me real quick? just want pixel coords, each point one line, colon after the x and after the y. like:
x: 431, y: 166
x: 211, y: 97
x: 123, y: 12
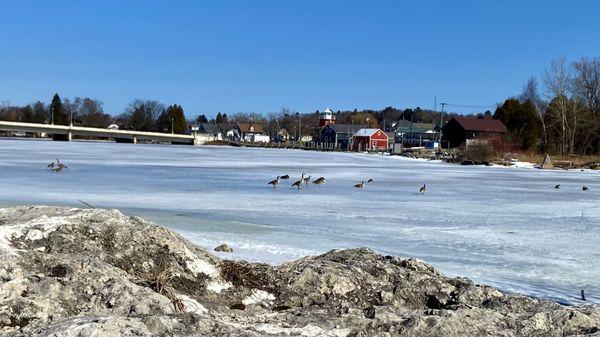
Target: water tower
x: 326, y: 118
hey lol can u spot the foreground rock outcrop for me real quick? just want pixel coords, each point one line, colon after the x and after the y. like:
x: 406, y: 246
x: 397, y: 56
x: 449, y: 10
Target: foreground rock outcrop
x: 90, y: 272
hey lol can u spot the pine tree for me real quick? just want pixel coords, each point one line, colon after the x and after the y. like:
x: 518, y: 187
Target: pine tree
x: 201, y: 119
x: 57, y: 111
x: 40, y: 113
x: 522, y: 122
x: 172, y: 118
x: 179, y: 122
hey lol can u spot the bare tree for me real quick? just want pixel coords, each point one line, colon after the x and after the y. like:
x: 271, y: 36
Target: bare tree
x: 530, y: 93
x: 558, y: 81
x: 587, y: 90
x: 587, y: 82
x: 91, y: 113
x: 142, y: 115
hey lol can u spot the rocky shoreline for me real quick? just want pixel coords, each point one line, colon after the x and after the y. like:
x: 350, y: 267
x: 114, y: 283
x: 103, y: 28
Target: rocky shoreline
x: 92, y: 272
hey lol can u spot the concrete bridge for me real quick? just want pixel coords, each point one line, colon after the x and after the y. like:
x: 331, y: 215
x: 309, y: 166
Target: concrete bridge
x: 71, y: 131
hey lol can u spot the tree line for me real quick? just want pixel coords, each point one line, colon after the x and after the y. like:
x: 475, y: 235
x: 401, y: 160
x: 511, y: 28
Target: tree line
x: 558, y: 115
x: 151, y: 115
x: 141, y: 115
x: 563, y: 116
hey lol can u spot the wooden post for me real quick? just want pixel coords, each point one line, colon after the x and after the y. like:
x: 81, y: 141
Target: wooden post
x: 583, y: 295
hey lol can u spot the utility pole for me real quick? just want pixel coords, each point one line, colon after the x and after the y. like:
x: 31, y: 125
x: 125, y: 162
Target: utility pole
x: 299, y: 126
x: 442, y: 123
x: 172, y: 131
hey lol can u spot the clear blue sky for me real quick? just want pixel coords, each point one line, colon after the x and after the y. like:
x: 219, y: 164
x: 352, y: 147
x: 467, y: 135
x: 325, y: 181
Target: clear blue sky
x: 260, y: 56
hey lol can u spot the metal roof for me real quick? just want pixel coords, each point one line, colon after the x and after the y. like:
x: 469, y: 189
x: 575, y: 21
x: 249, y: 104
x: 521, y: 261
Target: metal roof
x: 478, y: 124
x: 366, y: 132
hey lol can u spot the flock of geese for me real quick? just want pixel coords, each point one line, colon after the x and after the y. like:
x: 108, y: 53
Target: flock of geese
x: 298, y: 183
x: 362, y: 184
x: 321, y: 180
x: 57, y: 167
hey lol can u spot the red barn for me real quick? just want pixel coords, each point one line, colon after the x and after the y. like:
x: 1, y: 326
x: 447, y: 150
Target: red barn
x: 369, y: 140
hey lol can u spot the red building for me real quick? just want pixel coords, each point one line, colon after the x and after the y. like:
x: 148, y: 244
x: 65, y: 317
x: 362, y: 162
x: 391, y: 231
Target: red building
x: 370, y: 140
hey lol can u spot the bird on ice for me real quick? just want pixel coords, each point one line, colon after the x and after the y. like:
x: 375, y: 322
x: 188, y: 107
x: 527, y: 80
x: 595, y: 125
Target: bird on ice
x: 57, y: 167
x: 274, y: 182
x: 423, y: 189
x: 319, y: 181
x: 298, y: 183
x: 360, y: 185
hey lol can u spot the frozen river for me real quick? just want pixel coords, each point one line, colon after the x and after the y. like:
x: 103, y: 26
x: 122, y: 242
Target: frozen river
x: 505, y: 227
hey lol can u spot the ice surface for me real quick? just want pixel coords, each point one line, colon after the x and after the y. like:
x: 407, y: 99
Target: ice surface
x: 507, y: 227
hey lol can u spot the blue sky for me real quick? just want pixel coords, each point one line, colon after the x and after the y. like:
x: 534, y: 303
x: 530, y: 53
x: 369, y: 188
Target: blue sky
x: 260, y: 56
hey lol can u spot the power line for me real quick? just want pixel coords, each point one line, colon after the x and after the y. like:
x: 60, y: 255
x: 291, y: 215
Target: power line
x: 471, y: 105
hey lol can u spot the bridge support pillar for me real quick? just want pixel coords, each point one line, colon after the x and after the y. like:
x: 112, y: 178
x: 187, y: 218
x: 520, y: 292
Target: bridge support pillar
x: 134, y: 140
x: 198, y: 140
x: 70, y: 136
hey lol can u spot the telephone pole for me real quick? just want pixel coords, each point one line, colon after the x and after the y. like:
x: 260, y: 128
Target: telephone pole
x: 442, y: 122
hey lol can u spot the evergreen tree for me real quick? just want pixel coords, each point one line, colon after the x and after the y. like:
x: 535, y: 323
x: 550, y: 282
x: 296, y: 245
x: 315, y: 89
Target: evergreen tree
x: 522, y: 122
x: 40, y: 113
x: 202, y: 119
x: 219, y: 118
x: 57, y: 111
x: 179, y: 123
x: 172, y: 117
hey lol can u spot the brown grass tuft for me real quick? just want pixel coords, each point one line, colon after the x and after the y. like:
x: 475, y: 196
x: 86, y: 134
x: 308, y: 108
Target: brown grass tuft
x: 241, y: 274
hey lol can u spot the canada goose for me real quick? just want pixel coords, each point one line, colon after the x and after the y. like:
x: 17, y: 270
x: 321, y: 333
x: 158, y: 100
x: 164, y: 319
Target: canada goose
x: 62, y: 166
x: 585, y: 188
x: 319, y: 181
x: 370, y: 181
x: 53, y: 165
x: 287, y: 176
x: 360, y: 185
x: 274, y: 182
x: 299, y: 182
x: 307, y: 180
x: 557, y: 186
x: 57, y: 169
x: 423, y: 189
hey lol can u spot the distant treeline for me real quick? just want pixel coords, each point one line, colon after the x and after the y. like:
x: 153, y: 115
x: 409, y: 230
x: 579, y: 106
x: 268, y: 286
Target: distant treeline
x: 561, y: 118
x: 150, y: 115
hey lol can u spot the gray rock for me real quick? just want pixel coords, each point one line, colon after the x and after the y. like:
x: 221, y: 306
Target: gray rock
x: 90, y: 272
x: 223, y: 248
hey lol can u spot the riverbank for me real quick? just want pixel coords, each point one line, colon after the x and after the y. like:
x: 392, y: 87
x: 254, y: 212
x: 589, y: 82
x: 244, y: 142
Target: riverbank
x: 93, y: 272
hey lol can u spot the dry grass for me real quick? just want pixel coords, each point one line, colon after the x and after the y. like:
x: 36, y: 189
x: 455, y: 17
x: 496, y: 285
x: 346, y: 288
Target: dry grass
x: 241, y: 274
x: 558, y: 160
x: 160, y: 280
